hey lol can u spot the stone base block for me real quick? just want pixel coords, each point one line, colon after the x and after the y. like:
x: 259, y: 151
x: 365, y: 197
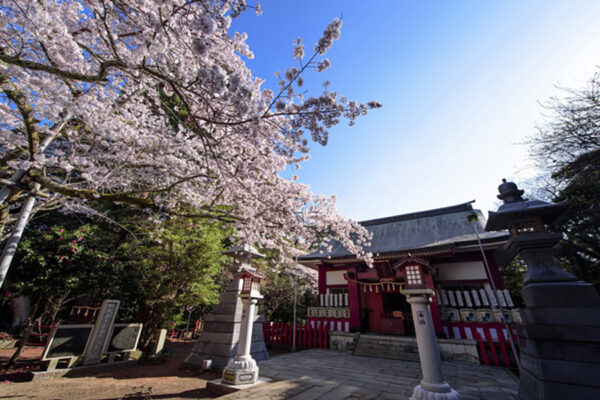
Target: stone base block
x: 531, y: 388
x: 242, y: 371
x: 219, y: 388
x: 419, y: 393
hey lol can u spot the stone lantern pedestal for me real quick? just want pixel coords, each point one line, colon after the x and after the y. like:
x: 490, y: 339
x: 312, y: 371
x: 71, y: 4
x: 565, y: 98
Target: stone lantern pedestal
x: 242, y: 369
x: 219, y: 339
x: 433, y: 386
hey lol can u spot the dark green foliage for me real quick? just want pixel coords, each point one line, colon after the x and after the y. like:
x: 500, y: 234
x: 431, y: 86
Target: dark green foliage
x: 567, y: 148
x: 180, y: 261
x: 278, y: 290
x: 155, y: 268
x: 59, y: 263
x: 513, y: 275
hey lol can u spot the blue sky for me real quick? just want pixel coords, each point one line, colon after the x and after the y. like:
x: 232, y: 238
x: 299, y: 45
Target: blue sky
x: 461, y: 85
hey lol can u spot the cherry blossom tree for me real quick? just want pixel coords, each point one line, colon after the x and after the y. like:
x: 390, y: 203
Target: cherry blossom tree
x: 150, y: 103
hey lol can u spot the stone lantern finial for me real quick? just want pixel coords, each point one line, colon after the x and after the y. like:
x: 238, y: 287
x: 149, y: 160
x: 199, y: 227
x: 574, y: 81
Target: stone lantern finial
x: 509, y: 192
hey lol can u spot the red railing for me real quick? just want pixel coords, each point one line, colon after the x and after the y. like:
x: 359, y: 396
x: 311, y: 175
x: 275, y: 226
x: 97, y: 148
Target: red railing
x: 307, y: 335
x: 39, y: 335
x: 492, y: 340
x: 179, y: 334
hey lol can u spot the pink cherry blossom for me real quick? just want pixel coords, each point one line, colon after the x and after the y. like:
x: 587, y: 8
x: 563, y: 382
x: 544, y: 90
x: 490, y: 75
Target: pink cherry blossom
x: 150, y: 103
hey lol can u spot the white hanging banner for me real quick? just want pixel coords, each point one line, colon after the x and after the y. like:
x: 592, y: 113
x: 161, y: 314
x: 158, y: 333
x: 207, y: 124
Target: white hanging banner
x: 467, y: 298
x: 452, y: 298
x: 476, y: 298
x: 501, y: 298
x: 443, y: 296
x: 492, y: 298
x: 459, y: 299
x: 484, y: 298
x: 509, y: 300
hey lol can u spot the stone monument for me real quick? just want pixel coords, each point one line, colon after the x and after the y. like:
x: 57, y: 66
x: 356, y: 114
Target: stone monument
x: 560, y: 339
x: 219, y: 338
x: 101, y: 332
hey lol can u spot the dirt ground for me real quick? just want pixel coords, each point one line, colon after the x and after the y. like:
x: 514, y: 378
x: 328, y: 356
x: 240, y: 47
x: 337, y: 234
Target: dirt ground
x: 170, y: 380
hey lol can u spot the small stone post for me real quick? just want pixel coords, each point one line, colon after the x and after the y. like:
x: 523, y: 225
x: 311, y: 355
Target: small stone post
x: 433, y: 386
x: 242, y: 369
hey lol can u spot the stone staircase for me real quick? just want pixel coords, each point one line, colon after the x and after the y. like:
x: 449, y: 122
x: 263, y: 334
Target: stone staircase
x: 384, y: 346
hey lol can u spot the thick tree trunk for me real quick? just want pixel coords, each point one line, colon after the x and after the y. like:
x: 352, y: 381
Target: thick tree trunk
x: 26, y: 333
x: 20, y: 307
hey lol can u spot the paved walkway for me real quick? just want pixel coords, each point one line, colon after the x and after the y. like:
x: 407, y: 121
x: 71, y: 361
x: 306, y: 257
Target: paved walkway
x: 326, y: 374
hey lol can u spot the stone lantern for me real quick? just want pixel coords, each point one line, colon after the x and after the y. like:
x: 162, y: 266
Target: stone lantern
x: 560, y: 339
x: 433, y: 386
x: 221, y: 334
x: 526, y: 222
x: 242, y: 369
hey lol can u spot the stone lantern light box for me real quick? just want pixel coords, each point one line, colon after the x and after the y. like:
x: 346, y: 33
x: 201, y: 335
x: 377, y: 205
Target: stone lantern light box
x: 250, y: 284
x: 414, y: 272
x: 414, y: 277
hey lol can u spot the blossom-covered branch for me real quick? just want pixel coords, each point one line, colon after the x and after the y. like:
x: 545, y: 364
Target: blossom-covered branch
x: 163, y: 113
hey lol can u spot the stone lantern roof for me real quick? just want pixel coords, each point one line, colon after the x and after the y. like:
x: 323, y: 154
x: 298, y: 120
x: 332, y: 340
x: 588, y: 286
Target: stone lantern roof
x: 245, y: 250
x: 516, y: 209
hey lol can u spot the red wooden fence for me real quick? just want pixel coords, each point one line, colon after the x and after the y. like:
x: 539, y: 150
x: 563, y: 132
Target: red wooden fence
x: 491, y: 339
x: 307, y: 336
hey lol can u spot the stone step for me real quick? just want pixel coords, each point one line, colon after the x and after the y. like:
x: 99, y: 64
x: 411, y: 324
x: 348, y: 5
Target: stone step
x: 399, y: 348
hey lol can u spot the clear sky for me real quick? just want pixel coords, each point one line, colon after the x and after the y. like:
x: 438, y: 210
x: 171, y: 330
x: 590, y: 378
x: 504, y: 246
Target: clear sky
x: 461, y: 84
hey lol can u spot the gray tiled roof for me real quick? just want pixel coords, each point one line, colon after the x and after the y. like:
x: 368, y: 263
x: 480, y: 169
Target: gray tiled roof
x: 442, y: 227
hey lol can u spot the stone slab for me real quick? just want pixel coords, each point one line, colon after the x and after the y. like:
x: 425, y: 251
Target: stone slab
x: 215, y: 386
x: 562, y: 350
x: 84, y: 370
x: 572, y: 294
x: 565, y: 316
x: 332, y: 375
x: 559, y: 371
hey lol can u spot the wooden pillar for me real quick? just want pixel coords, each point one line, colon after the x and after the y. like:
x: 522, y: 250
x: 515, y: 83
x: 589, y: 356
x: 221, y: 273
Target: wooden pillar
x: 322, y: 279
x: 353, y: 301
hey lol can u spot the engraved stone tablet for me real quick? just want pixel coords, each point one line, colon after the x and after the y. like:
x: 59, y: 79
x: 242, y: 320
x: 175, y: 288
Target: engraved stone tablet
x: 67, y: 341
x: 103, y: 327
x: 124, y: 337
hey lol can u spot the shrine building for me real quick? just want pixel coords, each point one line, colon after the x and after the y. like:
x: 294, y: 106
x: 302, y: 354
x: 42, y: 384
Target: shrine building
x: 441, y: 248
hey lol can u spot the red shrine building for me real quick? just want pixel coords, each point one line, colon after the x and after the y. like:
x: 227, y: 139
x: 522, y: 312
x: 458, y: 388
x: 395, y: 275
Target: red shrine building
x: 441, y: 248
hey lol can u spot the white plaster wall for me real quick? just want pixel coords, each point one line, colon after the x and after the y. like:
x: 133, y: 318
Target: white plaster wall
x: 336, y: 278
x: 461, y: 271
